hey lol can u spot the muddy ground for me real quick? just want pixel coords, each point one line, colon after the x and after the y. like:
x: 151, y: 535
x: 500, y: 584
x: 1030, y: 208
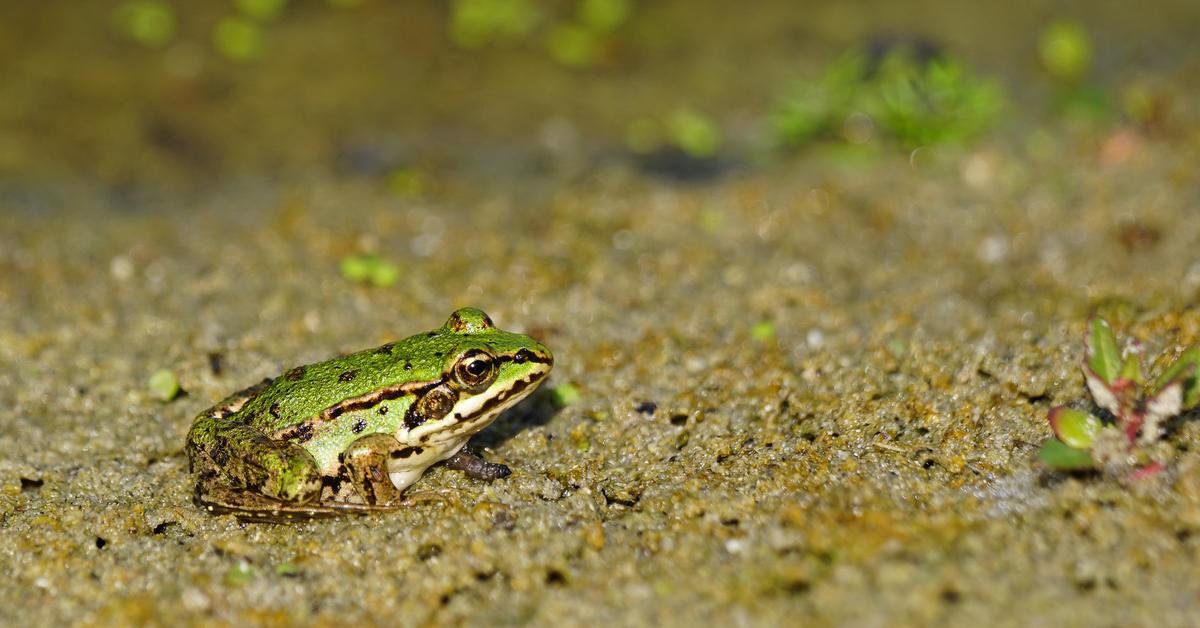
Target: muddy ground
x: 811, y: 387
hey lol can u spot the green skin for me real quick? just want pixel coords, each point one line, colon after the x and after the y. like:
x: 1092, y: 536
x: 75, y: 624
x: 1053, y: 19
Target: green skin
x: 348, y: 435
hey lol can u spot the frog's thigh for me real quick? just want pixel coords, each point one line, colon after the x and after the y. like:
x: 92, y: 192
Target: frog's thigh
x: 245, y: 459
x: 366, y: 462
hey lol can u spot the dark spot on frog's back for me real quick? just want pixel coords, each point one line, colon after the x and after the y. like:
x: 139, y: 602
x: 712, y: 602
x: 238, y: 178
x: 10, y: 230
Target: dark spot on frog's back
x: 348, y: 376
x: 360, y: 425
x: 275, y: 410
x: 302, y: 432
x: 295, y: 374
x: 386, y: 349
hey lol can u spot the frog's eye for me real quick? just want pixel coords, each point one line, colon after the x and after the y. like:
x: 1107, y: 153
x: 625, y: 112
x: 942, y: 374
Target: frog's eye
x: 475, y: 371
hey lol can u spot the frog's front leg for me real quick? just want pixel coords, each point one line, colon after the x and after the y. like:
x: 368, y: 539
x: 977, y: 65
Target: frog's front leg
x: 476, y: 468
x: 365, y: 465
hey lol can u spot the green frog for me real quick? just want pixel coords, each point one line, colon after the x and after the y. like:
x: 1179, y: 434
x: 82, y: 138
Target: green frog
x: 350, y: 434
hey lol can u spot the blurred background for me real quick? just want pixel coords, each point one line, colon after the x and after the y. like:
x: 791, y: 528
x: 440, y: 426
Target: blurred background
x: 411, y: 95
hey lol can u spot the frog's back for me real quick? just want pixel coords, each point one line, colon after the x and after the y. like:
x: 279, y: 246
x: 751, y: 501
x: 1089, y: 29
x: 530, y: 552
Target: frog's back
x: 305, y: 391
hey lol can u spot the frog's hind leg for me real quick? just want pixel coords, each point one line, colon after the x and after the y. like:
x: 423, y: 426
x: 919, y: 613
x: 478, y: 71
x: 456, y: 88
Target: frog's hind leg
x: 219, y: 500
x: 362, y: 485
x: 238, y: 466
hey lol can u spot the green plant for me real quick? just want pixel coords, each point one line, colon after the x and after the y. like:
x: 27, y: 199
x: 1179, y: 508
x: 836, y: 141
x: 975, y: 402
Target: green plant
x: 584, y: 41
x: 574, y: 46
x: 238, y: 38
x: 148, y: 22
x: 604, y: 15
x: 762, y: 331
x: 1066, y: 51
x: 686, y: 130
x: 477, y: 23
x: 564, y: 395
x: 164, y: 384
x: 694, y: 133
x: 816, y: 108
x: 1139, y: 406
x: 914, y: 101
x: 369, y: 268
x: 262, y: 10
x: 937, y: 102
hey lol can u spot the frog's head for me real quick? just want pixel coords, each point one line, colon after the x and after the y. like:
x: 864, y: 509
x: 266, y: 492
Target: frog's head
x: 486, y: 370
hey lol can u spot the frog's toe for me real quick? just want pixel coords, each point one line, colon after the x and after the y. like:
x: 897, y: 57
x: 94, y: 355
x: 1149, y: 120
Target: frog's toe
x: 477, y: 468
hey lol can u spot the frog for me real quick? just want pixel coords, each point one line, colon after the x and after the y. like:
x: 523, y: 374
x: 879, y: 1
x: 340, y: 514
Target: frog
x: 349, y: 435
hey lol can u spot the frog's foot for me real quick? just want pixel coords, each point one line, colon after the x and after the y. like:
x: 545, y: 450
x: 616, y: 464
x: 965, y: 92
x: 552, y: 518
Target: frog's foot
x: 365, y: 466
x: 278, y: 512
x: 476, y: 467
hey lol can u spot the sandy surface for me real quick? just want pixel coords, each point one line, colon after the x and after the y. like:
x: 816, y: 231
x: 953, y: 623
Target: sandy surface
x: 870, y: 462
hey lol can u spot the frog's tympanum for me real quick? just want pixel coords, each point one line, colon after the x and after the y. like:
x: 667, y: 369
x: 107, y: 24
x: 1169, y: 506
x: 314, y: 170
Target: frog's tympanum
x: 348, y: 435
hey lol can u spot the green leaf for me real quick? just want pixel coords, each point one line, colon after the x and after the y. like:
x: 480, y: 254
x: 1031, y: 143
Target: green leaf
x: 261, y: 10
x: 604, y: 15
x: 163, y: 384
x: 564, y: 395
x: 1132, y: 370
x: 148, y: 22
x: 1066, y: 51
x: 238, y: 38
x: 1075, y: 428
x: 288, y: 570
x: 1058, y: 455
x: 239, y: 574
x: 1190, y: 359
x: 1102, y: 353
x: 694, y: 133
x: 369, y: 268
x: 762, y: 331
